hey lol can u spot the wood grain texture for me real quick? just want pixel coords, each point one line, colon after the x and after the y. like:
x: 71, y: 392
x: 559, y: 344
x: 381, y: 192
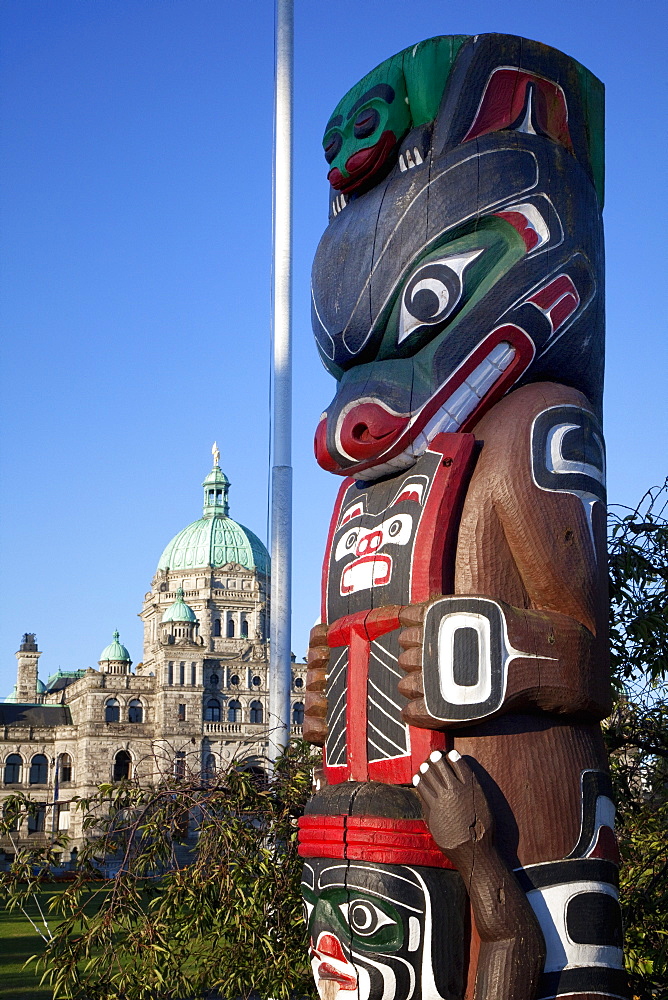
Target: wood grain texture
x: 459, y: 287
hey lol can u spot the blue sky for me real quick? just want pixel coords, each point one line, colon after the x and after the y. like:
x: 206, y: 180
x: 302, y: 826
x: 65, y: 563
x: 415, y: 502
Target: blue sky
x: 135, y: 187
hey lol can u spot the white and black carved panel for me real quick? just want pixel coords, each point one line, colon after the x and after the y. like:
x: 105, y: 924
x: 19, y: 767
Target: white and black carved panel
x: 568, y: 453
x: 387, y: 733
x: 372, y: 548
x: 337, y: 690
x: 465, y: 658
x: 576, y: 903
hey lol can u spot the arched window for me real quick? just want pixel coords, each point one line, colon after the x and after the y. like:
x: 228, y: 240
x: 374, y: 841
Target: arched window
x: 64, y: 767
x: 39, y: 770
x: 299, y: 682
x: 180, y: 766
x: 230, y: 628
x: 256, y: 682
x: 234, y: 711
x: 112, y: 711
x: 234, y: 680
x: 135, y: 711
x: 244, y: 629
x: 210, y: 767
x: 298, y: 713
x: 122, y: 766
x: 13, y: 769
x: 256, y: 712
x: 216, y: 627
x: 212, y: 711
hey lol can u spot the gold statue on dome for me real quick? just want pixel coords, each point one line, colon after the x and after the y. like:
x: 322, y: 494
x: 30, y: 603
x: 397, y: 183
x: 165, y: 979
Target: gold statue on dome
x: 215, y: 451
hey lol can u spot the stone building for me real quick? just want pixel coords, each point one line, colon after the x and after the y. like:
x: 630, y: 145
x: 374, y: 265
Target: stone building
x: 197, y: 701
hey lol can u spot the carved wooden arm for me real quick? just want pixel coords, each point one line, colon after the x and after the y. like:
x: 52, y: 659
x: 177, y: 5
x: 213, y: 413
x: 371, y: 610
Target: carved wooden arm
x: 469, y: 658
x: 512, y: 951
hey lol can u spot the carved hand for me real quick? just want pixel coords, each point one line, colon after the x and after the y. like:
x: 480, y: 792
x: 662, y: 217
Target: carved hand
x: 315, y: 706
x: 455, y: 807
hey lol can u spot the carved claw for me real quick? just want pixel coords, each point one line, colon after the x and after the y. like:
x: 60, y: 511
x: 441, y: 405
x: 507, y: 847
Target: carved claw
x: 315, y: 702
x: 410, y: 660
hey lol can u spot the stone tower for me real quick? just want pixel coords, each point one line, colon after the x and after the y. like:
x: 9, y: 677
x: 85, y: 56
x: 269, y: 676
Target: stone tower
x: 26, y: 680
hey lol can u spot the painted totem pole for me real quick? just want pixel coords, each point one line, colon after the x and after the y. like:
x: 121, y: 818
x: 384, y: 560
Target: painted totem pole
x: 460, y: 842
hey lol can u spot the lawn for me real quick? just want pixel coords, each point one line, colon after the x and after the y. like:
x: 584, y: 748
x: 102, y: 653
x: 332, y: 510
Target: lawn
x: 18, y: 941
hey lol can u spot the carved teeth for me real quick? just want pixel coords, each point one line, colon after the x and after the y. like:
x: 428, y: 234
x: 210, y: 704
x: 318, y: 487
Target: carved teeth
x: 409, y: 159
x: 339, y: 203
x: 452, y: 413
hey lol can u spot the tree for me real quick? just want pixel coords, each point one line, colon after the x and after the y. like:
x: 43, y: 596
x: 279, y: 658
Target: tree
x: 223, y: 919
x: 637, y: 732
x: 226, y: 917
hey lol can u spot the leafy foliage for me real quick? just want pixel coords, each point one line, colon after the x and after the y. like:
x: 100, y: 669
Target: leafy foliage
x: 637, y: 732
x: 224, y: 919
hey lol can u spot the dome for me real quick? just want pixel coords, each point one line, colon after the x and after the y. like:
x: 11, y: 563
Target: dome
x: 11, y: 698
x: 115, y: 651
x: 179, y: 611
x: 41, y: 686
x: 215, y: 539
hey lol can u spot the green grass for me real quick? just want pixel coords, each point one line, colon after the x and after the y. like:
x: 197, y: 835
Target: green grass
x: 18, y: 941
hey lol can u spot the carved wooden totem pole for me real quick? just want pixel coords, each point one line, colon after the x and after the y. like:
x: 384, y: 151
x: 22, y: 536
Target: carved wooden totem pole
x: 460, y: 843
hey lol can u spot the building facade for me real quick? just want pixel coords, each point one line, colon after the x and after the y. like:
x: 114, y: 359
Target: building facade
x: 196, y: 702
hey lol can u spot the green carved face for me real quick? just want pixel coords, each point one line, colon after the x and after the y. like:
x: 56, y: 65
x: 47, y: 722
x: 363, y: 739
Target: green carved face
x: 368, y: 123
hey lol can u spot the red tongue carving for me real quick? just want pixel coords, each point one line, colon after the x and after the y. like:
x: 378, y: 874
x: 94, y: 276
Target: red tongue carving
x: 369, y: 430
x: 329, y: 946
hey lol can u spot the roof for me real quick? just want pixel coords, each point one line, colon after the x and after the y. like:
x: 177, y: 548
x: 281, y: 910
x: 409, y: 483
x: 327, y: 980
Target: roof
x: 37, y: 716
x: 179, y: 611
x: 62, y: 679
x: 115, y: 650
x: 215, y: 539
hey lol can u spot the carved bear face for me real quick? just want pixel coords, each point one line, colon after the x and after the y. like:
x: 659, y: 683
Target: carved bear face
x: 464, y: 250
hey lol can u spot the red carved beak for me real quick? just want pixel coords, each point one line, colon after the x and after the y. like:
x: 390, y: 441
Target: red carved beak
x: 369, y: 429
x: 330, y: 947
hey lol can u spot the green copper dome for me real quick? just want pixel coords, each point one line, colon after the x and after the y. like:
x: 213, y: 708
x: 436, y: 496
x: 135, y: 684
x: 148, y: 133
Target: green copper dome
x: 115, y: 650
x: 215, y: 539
x: 179, y: 611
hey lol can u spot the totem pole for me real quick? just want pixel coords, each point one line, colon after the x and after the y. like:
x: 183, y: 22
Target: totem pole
x: 460, y: 840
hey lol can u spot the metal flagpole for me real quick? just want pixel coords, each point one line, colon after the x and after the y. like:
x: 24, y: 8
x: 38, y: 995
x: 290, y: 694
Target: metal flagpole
x: 281, y: 472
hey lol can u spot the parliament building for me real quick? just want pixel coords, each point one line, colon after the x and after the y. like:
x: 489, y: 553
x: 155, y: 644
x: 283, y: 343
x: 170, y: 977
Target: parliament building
x: 197, y: 701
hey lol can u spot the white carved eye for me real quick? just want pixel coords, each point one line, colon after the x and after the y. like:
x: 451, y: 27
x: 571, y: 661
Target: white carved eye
x: 433, y: 292
x: 346, y: 543
x: 364, y: 918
